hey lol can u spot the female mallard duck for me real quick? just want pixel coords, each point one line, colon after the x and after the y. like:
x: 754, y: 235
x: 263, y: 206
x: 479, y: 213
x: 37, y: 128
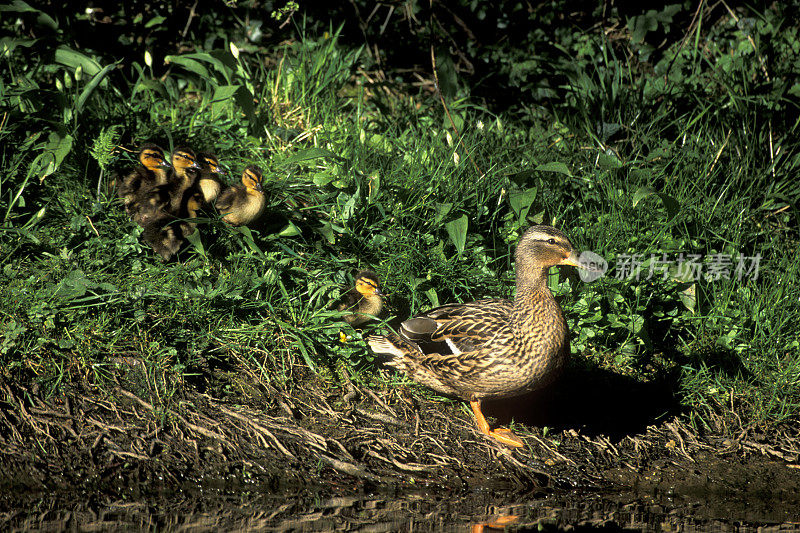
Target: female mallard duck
x: 208, y: 181
x: 364, y: 300
x: 491, y: 348
x: 242, y: 204
x: 152, y: 172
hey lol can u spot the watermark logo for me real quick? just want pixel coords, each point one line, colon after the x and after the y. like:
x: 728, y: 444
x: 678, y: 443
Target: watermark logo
x: 679, y: 266
x: 593, y: 265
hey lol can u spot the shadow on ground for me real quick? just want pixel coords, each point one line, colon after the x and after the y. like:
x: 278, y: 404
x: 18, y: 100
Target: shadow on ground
x: 594, y: 401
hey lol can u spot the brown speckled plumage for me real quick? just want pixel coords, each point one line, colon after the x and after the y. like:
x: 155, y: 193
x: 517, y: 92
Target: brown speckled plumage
x: 491, y: 348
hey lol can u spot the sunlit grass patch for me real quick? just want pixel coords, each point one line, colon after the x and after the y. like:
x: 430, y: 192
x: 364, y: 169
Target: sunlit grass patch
x: 648, y: 161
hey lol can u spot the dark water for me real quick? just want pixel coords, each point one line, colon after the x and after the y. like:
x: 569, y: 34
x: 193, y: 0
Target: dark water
x: 225, y: 509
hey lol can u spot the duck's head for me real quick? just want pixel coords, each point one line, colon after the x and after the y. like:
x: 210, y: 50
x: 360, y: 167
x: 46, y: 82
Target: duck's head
x: 152, y: 158
x: 184, y: 159
x: 367, y: 284
x: 210, y: 163
x: 540, y: 248
x: 251, y: 177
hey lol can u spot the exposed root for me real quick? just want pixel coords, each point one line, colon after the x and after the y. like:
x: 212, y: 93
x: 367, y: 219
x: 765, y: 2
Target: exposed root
x: 311, y: 438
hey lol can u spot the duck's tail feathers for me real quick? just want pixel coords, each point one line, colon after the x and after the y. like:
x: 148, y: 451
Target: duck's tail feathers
x: 386, y: 352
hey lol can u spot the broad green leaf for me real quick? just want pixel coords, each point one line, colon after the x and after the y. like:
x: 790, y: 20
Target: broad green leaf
x: 446, y: 70
x: 53, y: 153
x: 150, y: 85
x: 374, y: 187
x: 223, y: 93
x: 349, y: 207
x: 432, y: 297
x: 521, y: 201
x: 555, y: 166
x: 321, y: 179
x: 244, y: 98
x: 290, y: 230
x: 8, y: 45
x: 91, y: 86
x: 196, y: 242
x: 18, y: 6
x: 247, y: 236
x: 442, y: 209
x: 642, y: 193
x: 457, y: 230
x: 155, y: 21
x: 74, y: 285
x: 327, y: 231
x: 189, y: 64
x: 608, y: 161
x: 688, y: 297
x: 70, y: 58
x: 670, y: 204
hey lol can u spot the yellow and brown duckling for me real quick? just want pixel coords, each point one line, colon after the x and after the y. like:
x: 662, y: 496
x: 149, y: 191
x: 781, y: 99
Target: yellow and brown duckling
x: 154, y: 203
x: 164, y: 228
x: 364, y: 300
x: 492, y: 348
x: 208, y: 182
x: 186, y: 170
x: 152, y: 172
x: 242, y: 204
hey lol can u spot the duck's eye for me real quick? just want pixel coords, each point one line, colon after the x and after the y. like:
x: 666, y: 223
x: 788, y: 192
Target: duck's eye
x: 551, y: 241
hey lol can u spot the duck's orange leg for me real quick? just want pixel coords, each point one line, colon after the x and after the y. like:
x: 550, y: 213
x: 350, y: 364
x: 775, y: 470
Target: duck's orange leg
x: 502, y: 435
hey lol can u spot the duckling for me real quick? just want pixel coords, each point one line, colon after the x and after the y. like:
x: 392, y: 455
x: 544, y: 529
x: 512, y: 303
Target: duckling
x: 208, y: 181
x: 167, y: 205
x: 166, y: 232
x: 168, y: 197
x: 186, y: 171
x: 365, y: 299
x: 151, y: 173
x: 242, y: 204
x: 492, y: 348
x: 166, y: 237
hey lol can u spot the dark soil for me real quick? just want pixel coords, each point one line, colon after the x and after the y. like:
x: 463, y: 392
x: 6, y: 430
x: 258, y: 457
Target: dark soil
x: 621, y: 443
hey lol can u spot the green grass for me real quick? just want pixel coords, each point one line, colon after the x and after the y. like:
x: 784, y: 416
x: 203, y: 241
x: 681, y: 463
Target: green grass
x: 686, y: 150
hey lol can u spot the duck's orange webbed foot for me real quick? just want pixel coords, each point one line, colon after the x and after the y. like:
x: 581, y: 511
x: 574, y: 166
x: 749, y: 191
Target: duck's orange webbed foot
x: 505, y: 436
x: 498, y: 523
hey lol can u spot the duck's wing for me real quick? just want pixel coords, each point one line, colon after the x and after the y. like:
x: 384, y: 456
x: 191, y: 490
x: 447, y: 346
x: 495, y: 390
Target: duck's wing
x: 458, y: 328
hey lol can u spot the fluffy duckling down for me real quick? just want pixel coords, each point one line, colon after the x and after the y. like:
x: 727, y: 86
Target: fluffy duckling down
x: 242, y: 204
x: 364, y: 300
x: 208, y: 182
x: 152, y: 172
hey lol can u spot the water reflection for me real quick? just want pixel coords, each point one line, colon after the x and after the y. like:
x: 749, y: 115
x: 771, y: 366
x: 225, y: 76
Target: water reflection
x: 199, y: 510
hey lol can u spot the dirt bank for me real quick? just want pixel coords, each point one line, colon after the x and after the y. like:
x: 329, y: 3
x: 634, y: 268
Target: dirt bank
x: 350, y: 439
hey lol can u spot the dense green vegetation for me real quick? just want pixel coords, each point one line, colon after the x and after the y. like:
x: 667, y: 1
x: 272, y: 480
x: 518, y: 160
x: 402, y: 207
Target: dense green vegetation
x: 666, y: 133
